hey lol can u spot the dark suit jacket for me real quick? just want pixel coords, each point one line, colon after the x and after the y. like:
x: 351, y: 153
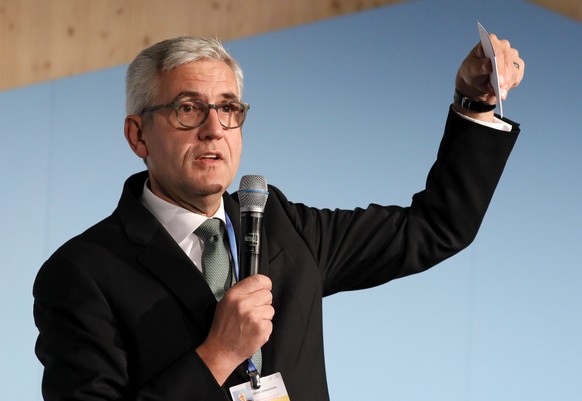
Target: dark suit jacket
x: 121, y: 308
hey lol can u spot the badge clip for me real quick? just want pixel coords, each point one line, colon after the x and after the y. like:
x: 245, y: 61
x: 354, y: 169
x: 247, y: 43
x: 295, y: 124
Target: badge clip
x: 255, y: 379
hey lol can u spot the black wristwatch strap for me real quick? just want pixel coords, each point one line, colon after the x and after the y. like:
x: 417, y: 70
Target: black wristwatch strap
x: 473, y: 105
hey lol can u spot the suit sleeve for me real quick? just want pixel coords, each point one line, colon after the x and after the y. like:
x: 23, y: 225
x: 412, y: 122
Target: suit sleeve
x: 370, y: 246
x: 85, y: 354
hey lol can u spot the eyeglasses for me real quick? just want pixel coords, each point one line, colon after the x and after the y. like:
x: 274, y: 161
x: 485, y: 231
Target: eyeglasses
x: 193, y: 113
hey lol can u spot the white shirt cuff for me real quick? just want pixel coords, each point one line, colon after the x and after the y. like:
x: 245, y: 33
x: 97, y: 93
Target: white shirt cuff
x: 496, y: 124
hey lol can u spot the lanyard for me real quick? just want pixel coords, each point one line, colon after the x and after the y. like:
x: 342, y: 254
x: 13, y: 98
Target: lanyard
x: 252, y: 372
x: 232, y: 243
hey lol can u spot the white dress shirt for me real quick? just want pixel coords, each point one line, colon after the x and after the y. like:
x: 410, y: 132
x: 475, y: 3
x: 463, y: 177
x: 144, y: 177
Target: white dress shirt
x: 180, y: 223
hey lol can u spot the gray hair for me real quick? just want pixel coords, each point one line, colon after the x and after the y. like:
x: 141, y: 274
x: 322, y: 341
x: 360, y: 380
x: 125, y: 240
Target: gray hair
x: 142, y: 83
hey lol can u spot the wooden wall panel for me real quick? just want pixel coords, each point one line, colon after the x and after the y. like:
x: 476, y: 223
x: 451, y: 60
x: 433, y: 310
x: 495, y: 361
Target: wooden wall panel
x: 570, y: 8
x: 47, y: 39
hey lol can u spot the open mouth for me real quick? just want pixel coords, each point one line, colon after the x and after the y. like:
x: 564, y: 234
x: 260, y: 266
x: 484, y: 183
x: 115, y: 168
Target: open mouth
x: 209, y: 156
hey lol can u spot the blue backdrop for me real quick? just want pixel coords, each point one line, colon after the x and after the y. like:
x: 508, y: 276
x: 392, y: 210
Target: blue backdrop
x: 346, y: 112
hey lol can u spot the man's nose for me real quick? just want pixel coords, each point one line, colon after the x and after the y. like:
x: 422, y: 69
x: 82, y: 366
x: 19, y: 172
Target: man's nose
x: 211, y: 129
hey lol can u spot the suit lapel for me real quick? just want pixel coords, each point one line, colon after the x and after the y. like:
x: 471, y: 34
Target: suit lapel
x: 162, y: 257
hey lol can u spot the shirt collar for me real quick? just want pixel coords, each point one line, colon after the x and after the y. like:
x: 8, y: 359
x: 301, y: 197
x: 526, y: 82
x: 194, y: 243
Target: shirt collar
x: 179, y: 222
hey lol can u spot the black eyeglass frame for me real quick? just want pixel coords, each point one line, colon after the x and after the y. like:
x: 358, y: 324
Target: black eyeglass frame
x: 176, y: 105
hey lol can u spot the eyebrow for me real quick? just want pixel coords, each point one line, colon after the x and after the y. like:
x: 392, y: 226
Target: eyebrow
x: 194, y: 94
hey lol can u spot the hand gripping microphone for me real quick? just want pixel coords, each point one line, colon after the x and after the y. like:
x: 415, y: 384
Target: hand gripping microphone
x: 252, y: 195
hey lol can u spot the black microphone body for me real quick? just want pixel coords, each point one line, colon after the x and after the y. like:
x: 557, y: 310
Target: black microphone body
x: 250, y: 245
x: 253, y: 198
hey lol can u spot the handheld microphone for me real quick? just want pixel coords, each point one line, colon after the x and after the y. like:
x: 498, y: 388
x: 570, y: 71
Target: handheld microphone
x: 252, y: 196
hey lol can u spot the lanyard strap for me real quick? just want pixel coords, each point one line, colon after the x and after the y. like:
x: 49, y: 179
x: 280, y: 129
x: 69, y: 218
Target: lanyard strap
x: 232, y: 244
x: 252, y: 372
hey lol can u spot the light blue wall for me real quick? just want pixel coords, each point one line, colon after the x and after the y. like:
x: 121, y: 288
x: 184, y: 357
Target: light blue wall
x: 346, y: 112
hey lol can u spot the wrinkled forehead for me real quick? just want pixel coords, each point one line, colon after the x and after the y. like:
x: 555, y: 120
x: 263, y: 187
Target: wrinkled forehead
x: 209, y: 80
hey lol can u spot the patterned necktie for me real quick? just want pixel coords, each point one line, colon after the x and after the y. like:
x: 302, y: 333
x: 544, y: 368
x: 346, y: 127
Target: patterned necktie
x: 215, y: 260
x: 216, y: 265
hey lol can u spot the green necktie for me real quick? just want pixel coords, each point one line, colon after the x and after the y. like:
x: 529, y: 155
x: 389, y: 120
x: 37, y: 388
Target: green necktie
x: 216, y: 265
x: 215, y: 260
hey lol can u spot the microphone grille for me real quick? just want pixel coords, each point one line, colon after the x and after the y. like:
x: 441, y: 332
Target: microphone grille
x: 252, y: 193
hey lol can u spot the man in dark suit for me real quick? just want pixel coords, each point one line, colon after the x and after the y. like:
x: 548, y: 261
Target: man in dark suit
x: 124, y: 311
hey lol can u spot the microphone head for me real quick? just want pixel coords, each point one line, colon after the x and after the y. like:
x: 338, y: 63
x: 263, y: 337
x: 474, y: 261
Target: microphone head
x: 252, y: 193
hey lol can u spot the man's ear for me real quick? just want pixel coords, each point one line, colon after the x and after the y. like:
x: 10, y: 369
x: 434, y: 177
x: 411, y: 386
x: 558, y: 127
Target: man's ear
x: 134, y: 135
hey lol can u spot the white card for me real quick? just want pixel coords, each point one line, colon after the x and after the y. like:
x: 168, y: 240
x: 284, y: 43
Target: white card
x: 272, y: 389
x: 490, y: 54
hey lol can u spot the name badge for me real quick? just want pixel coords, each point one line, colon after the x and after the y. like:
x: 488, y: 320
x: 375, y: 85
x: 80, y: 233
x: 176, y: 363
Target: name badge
x: 272, y: 389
